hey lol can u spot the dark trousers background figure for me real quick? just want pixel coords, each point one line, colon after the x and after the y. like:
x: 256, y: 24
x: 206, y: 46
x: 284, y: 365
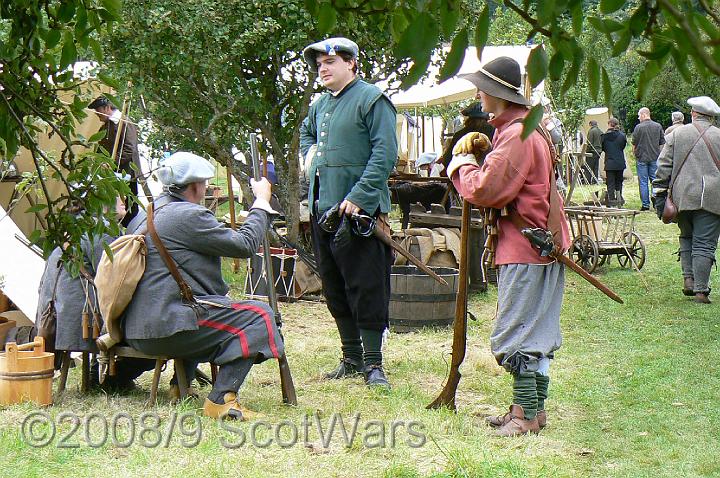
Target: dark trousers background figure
x: 614, y: 188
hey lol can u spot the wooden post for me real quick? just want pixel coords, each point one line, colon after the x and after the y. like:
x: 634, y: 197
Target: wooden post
x: 231, y: 201
x: 4, y: 302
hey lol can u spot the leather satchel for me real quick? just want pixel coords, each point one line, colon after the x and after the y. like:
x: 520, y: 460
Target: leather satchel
x: 670, y: 211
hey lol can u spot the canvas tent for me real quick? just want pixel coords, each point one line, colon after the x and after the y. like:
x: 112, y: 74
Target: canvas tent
x: 431, y: 93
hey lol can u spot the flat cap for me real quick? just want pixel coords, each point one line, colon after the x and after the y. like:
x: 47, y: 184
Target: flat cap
x: 331, y: 46
x: 184, y: 168
x: 704, y: 105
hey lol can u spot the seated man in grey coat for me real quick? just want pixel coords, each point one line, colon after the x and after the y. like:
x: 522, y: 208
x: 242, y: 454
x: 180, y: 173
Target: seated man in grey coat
x: 231, y: 334
x: 71, y: 296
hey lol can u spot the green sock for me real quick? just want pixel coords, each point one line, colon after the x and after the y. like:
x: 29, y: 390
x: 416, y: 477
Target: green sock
x: 542, y: 382
x: 525, y: 393
x: 372, y: 344
x: 350, y: 339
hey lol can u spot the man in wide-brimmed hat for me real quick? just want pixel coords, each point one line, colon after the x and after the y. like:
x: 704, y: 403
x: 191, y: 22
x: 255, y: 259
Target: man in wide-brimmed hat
x: 519, y: 177
x: 351, y: 132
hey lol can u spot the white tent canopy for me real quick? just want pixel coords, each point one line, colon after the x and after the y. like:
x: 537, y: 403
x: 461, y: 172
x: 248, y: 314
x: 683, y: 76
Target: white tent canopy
x: 429, y: 93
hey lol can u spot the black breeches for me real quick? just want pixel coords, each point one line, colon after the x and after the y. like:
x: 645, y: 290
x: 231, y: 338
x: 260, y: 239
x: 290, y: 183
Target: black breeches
x: 355, y: 277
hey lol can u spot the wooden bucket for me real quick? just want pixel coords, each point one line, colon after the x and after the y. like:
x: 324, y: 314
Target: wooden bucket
x: 417, y: 300
x: 26, y: 373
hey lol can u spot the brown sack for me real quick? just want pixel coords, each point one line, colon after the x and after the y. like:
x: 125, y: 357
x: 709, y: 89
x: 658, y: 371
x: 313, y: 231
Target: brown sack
x: 117, y: 279
x: 670, y: 211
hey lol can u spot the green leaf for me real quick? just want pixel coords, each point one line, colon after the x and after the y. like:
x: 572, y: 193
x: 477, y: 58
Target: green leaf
x: 659, y: 51
x: 66, y: 11
x: 545, y: 11
x: 69, y: 52
x: 52, y: 39
x: 482, y: 30
x: 312, y: 7
x: 449, y: 15
x: 576, y: 10
x: 639, y: 19
x: 622, y: 43
x: 398, y: 25
x: 327, y: 18
x: 572, y: 74
x: 646, y: 77
x: 606, y: 85
x: 96, y: 48
x: 98, y: 136
x: 419, y: 38
x: 114, y: 7
x: 597, y: 24
x: 680, y: 60
x: 36, y: 208
x: 609, y: 6
x: 531, y: 121
x: 593, y: 73
x: 35, y: 236
x: 109, y: 81
x: 556, y: 66
x: 613, y: 25
x: 456, y: 56
x: 709, y: 27
x: 108, y: 251
x: 416, y: 72
x: 537, y: 65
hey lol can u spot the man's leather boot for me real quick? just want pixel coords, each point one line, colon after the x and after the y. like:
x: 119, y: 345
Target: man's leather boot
x: 375, y: 376
x: 347, y: 368
x: 542, y: 418
x: 688, y: 286
x: 517, y: 424
x: 229, y: 410
x: 702, y: 298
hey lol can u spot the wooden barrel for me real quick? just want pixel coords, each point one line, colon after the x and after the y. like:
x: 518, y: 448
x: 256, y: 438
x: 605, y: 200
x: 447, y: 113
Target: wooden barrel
x: 26, y: 373
x: 417, y: 300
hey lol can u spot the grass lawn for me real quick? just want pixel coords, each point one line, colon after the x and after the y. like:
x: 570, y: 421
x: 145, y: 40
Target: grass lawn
x: 633, y: 394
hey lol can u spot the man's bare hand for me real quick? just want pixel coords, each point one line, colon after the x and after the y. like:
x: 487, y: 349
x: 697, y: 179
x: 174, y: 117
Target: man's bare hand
x: 261, y: 189
x: 348, y: 208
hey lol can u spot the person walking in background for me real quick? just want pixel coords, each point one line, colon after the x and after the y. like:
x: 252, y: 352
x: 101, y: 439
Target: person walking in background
x: 689, y: 172
x: 613, y: 144
x: 594, y: 141
x: 678, y: 119
x: 648, y: 136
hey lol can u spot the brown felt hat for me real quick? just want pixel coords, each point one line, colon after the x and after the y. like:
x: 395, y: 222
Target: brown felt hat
x: 500, y: 78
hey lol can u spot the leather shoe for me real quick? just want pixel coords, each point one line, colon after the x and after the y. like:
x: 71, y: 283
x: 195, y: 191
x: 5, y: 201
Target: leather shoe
x: 688, y: 286
x: 347, y: 368
x: 645, y: 208
x: 517, y: 424
x: 375, y: 376
x: 500, y: 420
x: 229, y: 410
x: 702, y: 298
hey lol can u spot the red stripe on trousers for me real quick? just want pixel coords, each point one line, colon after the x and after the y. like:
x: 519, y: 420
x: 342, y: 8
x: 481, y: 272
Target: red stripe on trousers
x: 232, y: 330
x: 268, y: 324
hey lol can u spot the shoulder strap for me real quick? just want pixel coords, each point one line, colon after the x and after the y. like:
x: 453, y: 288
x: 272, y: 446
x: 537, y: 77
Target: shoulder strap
x: 673, y: 178
x: 185, y: 290
x: 710, y: 148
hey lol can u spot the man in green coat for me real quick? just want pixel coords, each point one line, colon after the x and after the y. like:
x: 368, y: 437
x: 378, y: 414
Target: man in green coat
x: 350, y: 134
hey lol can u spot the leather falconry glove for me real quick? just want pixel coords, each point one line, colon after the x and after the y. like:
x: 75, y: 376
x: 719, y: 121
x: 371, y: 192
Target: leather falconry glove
x: 475, y: 143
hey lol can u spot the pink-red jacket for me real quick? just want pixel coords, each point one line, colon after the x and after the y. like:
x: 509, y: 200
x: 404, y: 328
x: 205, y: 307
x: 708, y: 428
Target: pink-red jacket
x: 515, y: 173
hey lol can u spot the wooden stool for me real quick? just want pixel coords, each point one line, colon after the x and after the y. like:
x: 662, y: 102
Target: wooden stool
x: 65, y: 368
x: 129, y: 352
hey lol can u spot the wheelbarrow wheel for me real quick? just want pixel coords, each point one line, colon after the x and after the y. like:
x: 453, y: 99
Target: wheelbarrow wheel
x: 634, y: 249
x: 584, y: 252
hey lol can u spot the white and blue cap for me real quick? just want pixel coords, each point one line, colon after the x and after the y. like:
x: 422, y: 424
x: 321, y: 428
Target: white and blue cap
x: 331, y: 46
x: 184, y: 168
x: 704, y: 105
x: 425, y: 158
